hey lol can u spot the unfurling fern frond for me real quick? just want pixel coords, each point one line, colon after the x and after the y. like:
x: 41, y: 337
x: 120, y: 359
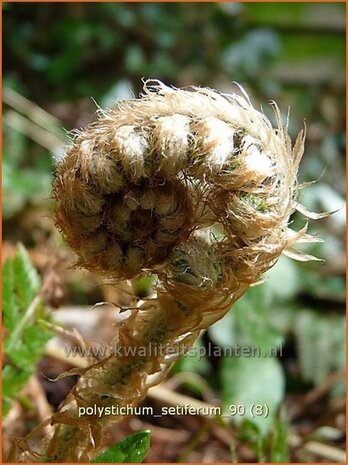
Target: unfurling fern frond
x: 192, y: 186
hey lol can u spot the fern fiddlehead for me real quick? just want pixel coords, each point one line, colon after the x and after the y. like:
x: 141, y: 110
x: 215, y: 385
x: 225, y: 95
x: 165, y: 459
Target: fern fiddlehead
x: 192, y: 186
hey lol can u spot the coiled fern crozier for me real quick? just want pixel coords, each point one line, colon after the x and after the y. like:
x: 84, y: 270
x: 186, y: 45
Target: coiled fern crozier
x: 192, y: 186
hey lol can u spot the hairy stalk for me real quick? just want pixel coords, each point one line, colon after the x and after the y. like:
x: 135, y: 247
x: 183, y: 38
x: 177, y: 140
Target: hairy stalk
x: 192, y: 186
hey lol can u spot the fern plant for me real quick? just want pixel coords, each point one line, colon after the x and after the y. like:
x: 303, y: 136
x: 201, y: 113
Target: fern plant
x: 191, y: 186
x: 25, y: 334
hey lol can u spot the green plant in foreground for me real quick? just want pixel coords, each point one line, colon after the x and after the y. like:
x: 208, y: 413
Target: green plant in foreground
x: 132, y: 449
x: 24, y: 314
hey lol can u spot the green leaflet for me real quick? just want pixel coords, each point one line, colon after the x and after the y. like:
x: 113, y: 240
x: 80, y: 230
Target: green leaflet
x: 132, y: 449
x: 24, y: 336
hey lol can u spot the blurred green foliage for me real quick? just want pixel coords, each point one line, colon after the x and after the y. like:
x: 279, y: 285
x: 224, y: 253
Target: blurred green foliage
x: 25, y: 335
x: 84, y: 49
x: 26, y: 177
x: 268, y: 316
x: 60, y: 55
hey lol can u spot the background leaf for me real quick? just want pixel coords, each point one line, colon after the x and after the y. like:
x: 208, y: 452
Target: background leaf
x: 248, y: 381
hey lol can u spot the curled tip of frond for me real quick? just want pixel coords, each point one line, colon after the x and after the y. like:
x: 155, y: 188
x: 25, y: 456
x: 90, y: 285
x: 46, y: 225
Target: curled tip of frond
x: 152, y: 172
